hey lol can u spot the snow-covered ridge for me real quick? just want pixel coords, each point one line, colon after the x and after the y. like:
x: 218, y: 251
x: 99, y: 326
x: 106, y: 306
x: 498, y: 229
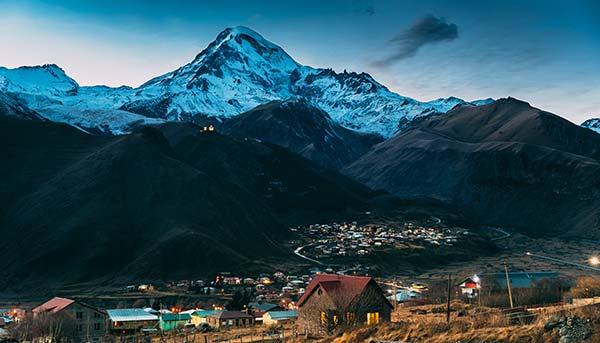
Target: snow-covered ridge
x: 238, y: 71
x: 592, y: 124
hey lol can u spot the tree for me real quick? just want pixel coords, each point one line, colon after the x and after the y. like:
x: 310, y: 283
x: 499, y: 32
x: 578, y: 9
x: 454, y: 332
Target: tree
x: 240, y: 300
x: 49, y: 326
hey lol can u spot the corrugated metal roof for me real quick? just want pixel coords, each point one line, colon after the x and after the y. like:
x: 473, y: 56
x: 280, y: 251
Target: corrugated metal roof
x: 205, y: 313
x: 282, y: 314
x: 175, y: 316
x: 130, y: 314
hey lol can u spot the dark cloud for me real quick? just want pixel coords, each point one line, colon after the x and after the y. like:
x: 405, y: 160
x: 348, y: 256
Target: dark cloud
x: 426, y: 30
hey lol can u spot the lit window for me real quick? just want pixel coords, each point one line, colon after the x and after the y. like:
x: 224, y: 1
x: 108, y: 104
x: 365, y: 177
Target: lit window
x: 372, y: 318
x: 349, y: 317
x: 323, y: 318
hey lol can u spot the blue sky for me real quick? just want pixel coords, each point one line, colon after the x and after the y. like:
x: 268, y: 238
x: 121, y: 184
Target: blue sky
x: 544, y: 52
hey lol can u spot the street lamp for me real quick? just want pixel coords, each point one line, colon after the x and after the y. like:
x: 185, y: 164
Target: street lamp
x: 594, y: 260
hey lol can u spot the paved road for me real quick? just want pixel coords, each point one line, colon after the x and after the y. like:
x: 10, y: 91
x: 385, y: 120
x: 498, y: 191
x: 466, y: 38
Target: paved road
x: 561, y: 261
x: 502, y: 232
x: 298, y: 253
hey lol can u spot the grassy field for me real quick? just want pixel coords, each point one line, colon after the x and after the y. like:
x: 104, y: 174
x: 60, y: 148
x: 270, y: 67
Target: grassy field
x: 477, y: 325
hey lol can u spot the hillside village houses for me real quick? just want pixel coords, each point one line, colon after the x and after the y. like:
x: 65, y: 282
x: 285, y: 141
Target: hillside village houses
x: 353, y: 239
x: 85, y: 323
x: 272, y: 307
x: 318, y: 305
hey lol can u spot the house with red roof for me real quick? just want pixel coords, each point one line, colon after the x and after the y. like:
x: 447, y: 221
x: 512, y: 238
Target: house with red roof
x: 83, y: 321
x: 333, y: 301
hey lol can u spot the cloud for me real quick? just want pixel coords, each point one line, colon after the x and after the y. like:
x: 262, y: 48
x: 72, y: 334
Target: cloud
x: 426, y: 30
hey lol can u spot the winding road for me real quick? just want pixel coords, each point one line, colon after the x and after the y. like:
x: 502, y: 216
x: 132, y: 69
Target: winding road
x: 504, y: 233
x: 299, y: 254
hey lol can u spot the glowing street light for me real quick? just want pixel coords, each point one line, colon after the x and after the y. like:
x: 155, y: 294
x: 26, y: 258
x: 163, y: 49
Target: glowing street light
x: 594, y: 260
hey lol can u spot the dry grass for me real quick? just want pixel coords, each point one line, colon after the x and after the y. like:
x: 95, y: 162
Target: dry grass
x: 477, y: 326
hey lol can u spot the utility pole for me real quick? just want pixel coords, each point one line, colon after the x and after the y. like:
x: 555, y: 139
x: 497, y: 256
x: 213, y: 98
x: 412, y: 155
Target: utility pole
x: 448, y: 298
x: 395, y: 297
x: 510, y: 298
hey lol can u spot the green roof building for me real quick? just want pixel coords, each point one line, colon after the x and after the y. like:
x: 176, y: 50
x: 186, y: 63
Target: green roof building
x: 172, y: 321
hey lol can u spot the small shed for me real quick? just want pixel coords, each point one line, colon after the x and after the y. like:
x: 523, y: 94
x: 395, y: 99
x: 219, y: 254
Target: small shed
x: 279, y: 317
x: 230, y: 319
x: 172, y: 321
x: 470, y: 286
x: 200, y: 316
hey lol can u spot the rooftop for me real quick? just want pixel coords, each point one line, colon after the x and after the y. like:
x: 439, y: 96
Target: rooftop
x: 282, y: 314
x: 130, y: 314
x: 342, y: 288
x: 231, y: 315
x: 175, y: 316
x: 53, y: 305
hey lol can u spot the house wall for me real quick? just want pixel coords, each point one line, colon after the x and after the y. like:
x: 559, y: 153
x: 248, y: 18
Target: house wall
x: 168, y: 325
x: 371, y: 300
x: 233, y: 322
x: 133, y: 326
x: 90, y: 324
x: 197, y: 320
x: 309, y: 314
x: 267, y: 320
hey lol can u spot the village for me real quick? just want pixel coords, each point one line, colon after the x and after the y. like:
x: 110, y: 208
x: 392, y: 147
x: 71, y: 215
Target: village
x: 280, y: 307
x: 323, y: 241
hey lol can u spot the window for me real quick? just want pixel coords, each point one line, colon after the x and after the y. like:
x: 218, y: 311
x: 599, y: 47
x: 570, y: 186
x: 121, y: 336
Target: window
x: 96, y: 315
x: 335, y: 320
x: 79, y: 315
x: 323, y: 318
x: 350, y: 317
x: 372, y: 318
x: 79, y: 327
x: 96, y: 326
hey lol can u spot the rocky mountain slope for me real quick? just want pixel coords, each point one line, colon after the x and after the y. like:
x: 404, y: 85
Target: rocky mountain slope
x: 235, y: 73
x: 592, y: 124
x: 14, y: 107
x: 304, y: 129
x: 504, y: 163
x: 162, y: 203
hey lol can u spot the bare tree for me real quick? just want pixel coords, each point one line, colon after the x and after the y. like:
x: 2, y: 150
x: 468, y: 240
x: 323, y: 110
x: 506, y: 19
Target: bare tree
x: 51, y: 327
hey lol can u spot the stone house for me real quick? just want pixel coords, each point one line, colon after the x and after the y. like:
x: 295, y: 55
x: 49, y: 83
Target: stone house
x: 334, y: 301
x: 230, y: 319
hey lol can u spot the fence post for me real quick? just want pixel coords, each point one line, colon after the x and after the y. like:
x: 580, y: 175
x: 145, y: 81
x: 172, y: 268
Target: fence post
x: 448, y: 298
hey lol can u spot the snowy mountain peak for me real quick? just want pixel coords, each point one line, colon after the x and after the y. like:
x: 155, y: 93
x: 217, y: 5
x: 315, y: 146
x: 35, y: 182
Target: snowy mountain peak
x: 236, y: 72
x: 592, y: 124
x: 239, y: 33
x: 46, y: 80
